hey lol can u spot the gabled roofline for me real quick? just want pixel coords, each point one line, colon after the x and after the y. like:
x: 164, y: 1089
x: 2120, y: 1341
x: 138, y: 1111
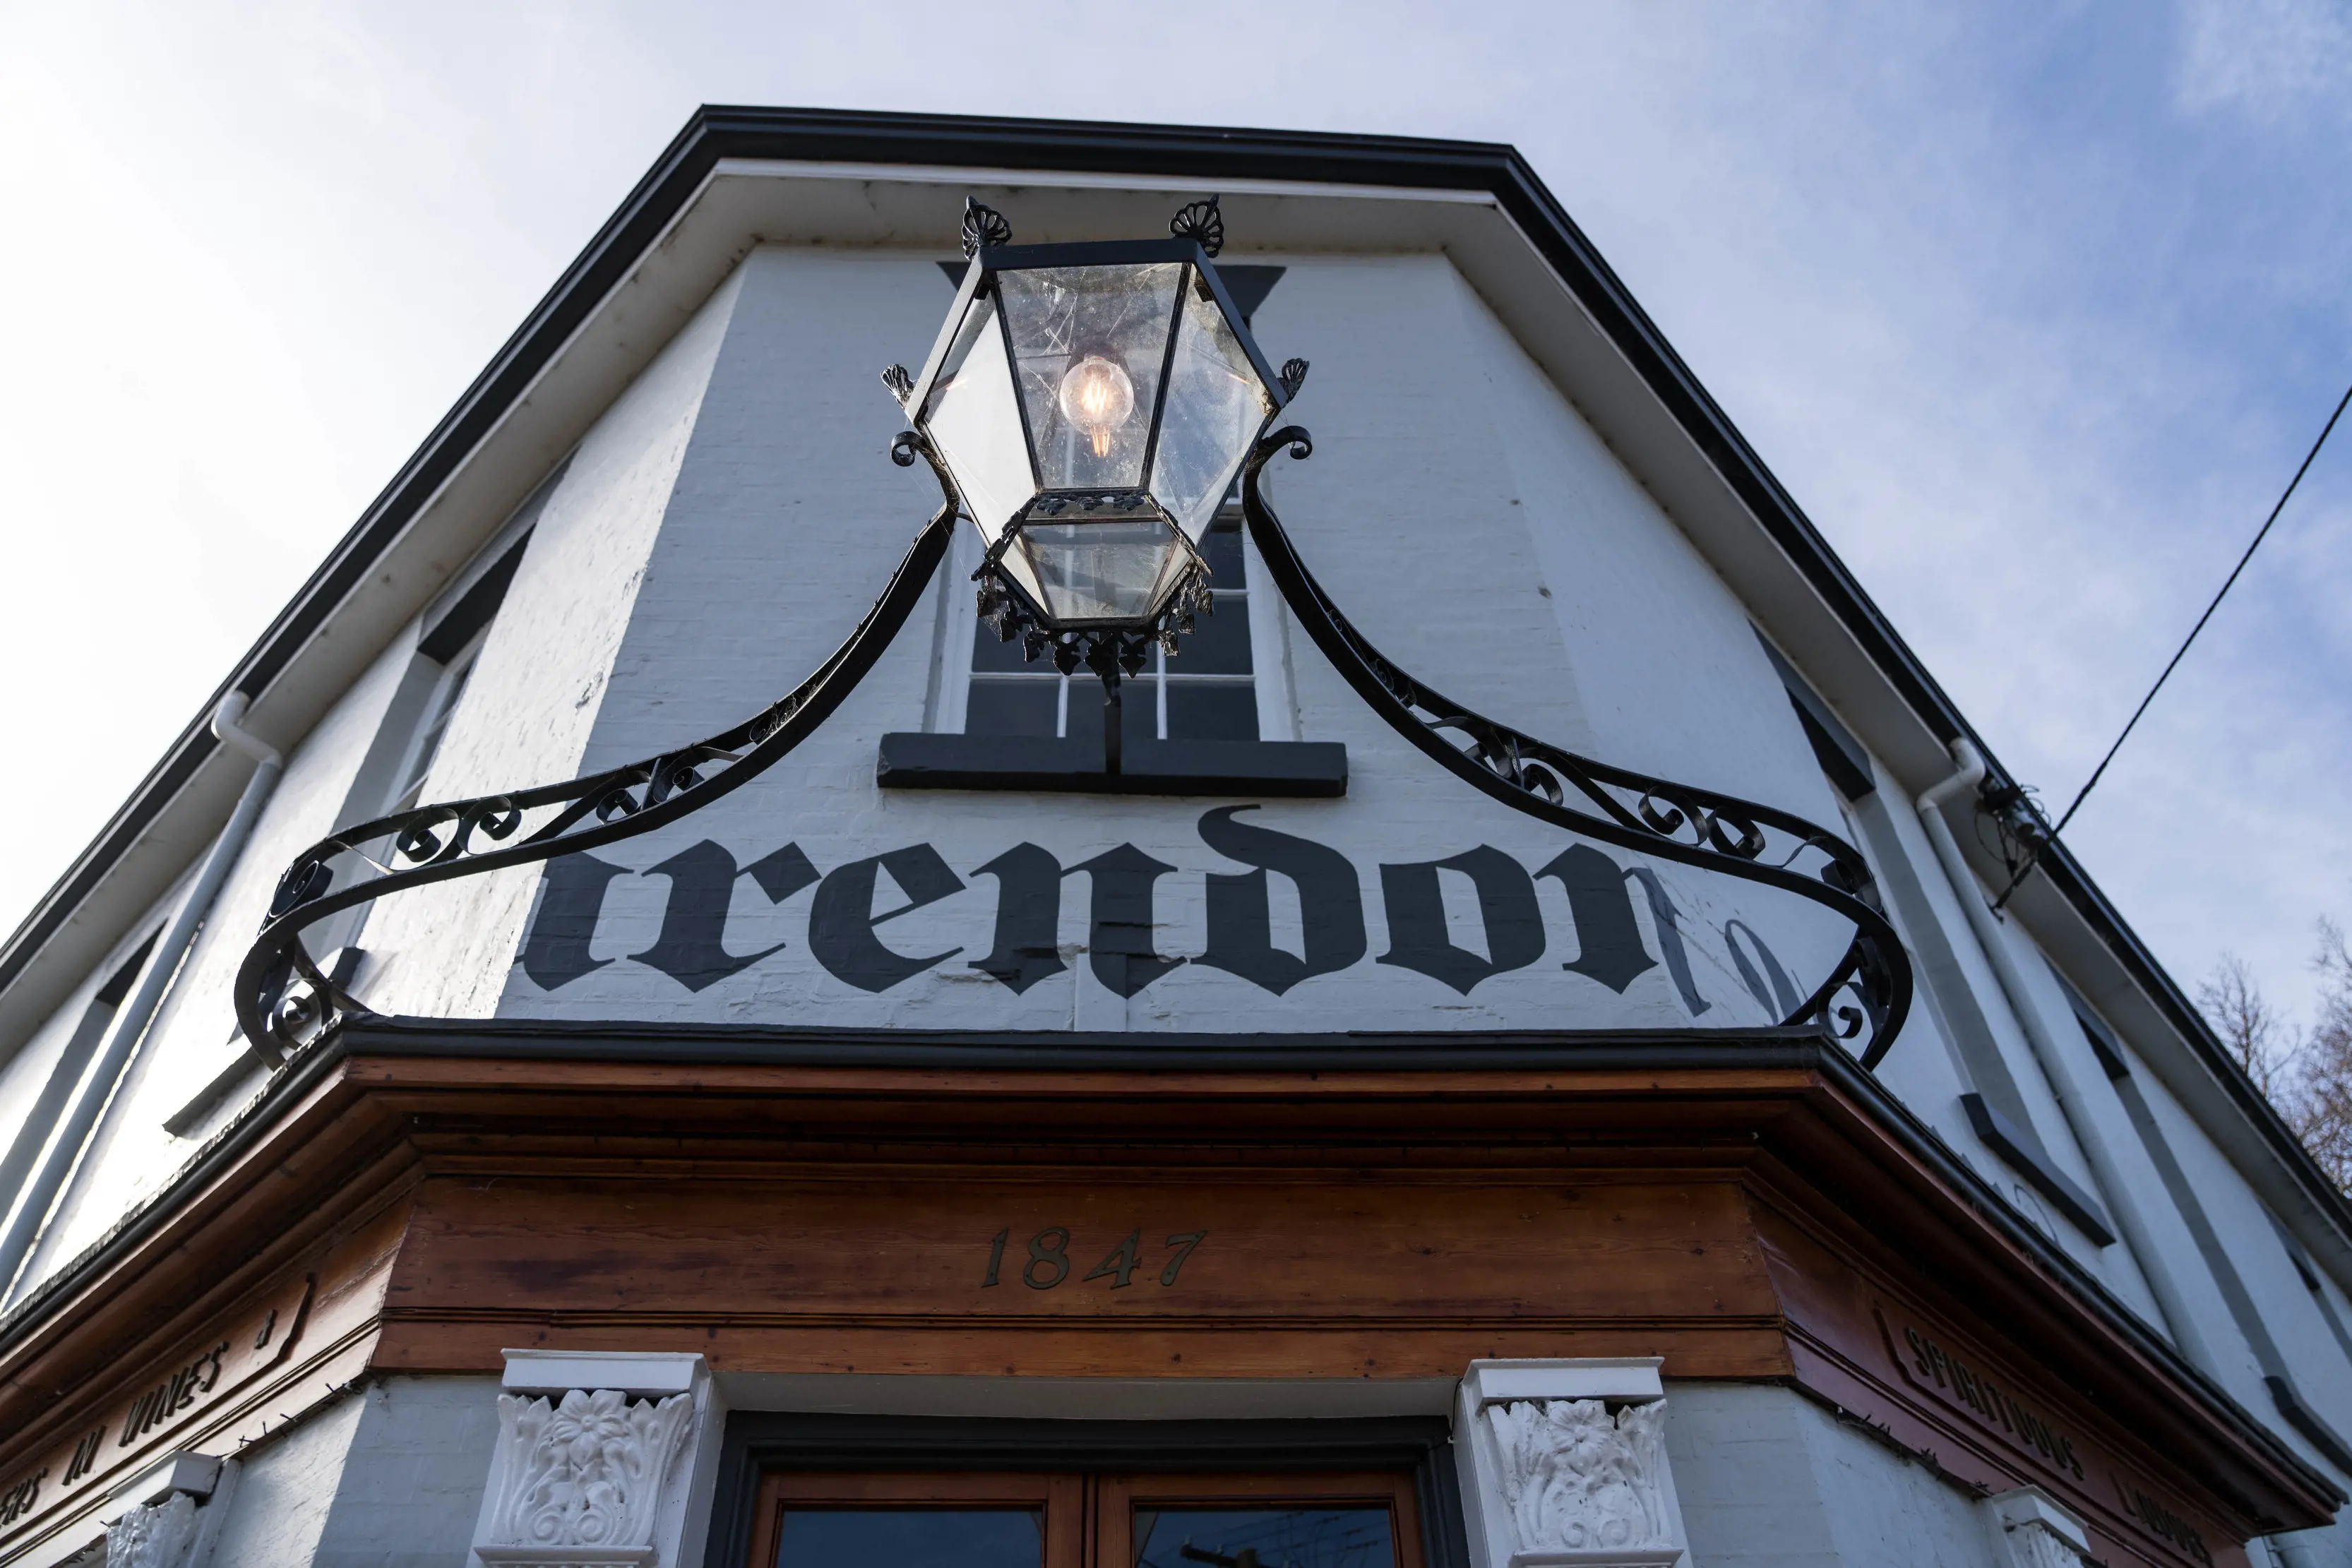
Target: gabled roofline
x: 717, y: 132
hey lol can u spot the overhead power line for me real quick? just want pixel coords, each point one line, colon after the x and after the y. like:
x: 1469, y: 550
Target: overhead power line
x: 2260, y: 534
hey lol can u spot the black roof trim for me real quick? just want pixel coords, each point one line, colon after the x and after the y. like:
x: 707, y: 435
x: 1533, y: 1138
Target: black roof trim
x: 1206, y: 155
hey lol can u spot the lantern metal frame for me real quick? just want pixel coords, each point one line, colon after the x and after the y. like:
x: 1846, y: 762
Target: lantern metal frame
x: 1109, y: 647
x: 1863, y: 1000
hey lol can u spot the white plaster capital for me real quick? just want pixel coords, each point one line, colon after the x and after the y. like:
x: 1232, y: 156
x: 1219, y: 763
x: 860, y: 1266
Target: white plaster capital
x: 153, y: 1535
x: 596, y: 1460
x: 2036, y: 1530
x: 162, y: 1526
x: 1563, y: 1464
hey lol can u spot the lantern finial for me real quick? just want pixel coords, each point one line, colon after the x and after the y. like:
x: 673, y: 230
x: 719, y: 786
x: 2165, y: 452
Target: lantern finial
x: 983, y: 225
x: 1201, y: 222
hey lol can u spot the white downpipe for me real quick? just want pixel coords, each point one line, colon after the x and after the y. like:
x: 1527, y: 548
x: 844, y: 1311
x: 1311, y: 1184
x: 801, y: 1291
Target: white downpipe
x: 2116, y: 1187
x: 130, y: 1024
x: 228, y: 727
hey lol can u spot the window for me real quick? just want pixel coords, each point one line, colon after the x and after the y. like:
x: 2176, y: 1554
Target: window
x: 1065, y: 1519
x: 1206, y: 692
x: 1256, y: 1521
x: 398, y: 764
x: 73, y: 1060
x: 920, y: 1522
x: 441, y: 701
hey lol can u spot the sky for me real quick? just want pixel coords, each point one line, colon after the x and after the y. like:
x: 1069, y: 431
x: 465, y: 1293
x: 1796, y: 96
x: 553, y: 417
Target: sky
x: 2034, y: 308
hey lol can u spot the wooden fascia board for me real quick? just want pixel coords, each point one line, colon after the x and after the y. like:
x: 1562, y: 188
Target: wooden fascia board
x: 1966, y: 1248
x: 324, y: 1157
x: 391, y: 1098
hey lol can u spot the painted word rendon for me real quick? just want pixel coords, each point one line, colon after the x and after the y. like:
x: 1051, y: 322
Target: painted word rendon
x: 844, y: 928
x: 1093, y: 494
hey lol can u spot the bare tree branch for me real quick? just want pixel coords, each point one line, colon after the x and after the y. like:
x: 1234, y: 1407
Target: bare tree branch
x: 2306, y: 1076
x: 2323, y: 1090
x: 2249, y: 1025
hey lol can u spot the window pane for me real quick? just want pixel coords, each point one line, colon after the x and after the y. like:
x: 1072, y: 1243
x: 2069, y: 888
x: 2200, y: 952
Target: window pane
x: 1263, y: 1538
x: 1222, y: 548
x: 1107, y: 569
x: 910, y: 1538
x: 976, y: 424
x: 1215, y: 405
x: 991, y: 655
x: 1138, y: 709
x: 436, y: 725
x: 1218, y: 643
x: 1088, y: 342
x: 1207, y: 710
x: 1013, y: 706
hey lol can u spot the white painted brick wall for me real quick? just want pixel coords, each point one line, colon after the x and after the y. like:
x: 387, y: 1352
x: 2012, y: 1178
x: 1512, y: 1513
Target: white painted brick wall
x: 412, y: 1481
x: 389, y: 1476
x: 1767, y: 1479
x: 526, y: 717
x: 286, y: 1489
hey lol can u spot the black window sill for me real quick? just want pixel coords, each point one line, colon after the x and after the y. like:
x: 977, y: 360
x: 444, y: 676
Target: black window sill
x: 1294, y: 768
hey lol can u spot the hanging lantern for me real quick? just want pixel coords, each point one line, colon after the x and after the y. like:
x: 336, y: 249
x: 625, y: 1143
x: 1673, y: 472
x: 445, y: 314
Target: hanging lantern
x: 1092, y: 405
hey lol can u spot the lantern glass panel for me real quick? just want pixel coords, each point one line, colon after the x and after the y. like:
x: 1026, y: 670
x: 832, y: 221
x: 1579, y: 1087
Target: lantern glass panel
x: 1098, y: 569
x: 1216, y: 405
x: 1018, y: 566
x: 974, y: 421
x: 1089, y: 343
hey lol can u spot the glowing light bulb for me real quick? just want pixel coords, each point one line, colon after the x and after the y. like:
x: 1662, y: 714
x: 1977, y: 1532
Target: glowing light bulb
x: 1097, y: 398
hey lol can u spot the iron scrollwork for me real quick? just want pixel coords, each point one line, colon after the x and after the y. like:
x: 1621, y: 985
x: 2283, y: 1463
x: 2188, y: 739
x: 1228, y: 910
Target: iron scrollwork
x: 1616, y: 805
x: 465, y: 838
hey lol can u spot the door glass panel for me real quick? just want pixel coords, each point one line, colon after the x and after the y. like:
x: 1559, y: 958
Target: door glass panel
x: 910, y: 1538
x: 1262, y: 1538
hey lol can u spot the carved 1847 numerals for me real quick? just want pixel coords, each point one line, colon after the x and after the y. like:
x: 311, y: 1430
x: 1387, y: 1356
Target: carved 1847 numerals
x: 1048, y: 1262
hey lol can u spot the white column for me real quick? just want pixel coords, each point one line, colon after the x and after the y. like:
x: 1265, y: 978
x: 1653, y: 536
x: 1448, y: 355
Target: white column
x: 604, y: 1460
x: 2035, y: 1531
x: 1564, y: 1462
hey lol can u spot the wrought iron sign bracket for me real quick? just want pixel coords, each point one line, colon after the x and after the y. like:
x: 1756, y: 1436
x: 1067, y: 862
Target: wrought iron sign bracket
x: 1677, y: 822
x: 284, y: 999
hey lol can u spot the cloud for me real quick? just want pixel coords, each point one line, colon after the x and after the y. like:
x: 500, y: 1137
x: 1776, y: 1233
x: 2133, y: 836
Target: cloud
x: 2269, y: 59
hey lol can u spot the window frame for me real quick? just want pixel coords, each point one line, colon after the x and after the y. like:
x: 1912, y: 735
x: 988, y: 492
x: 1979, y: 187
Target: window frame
x: 446, y: 690
x: 1268, y: 632
x: 1405, y: 1461
x: 1118, y: 1496
x: 1076, y: 1504
x: 1060, y: 1496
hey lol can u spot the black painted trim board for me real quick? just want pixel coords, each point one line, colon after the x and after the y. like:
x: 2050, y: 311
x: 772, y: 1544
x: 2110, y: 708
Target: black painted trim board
x: 1035, y: 764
